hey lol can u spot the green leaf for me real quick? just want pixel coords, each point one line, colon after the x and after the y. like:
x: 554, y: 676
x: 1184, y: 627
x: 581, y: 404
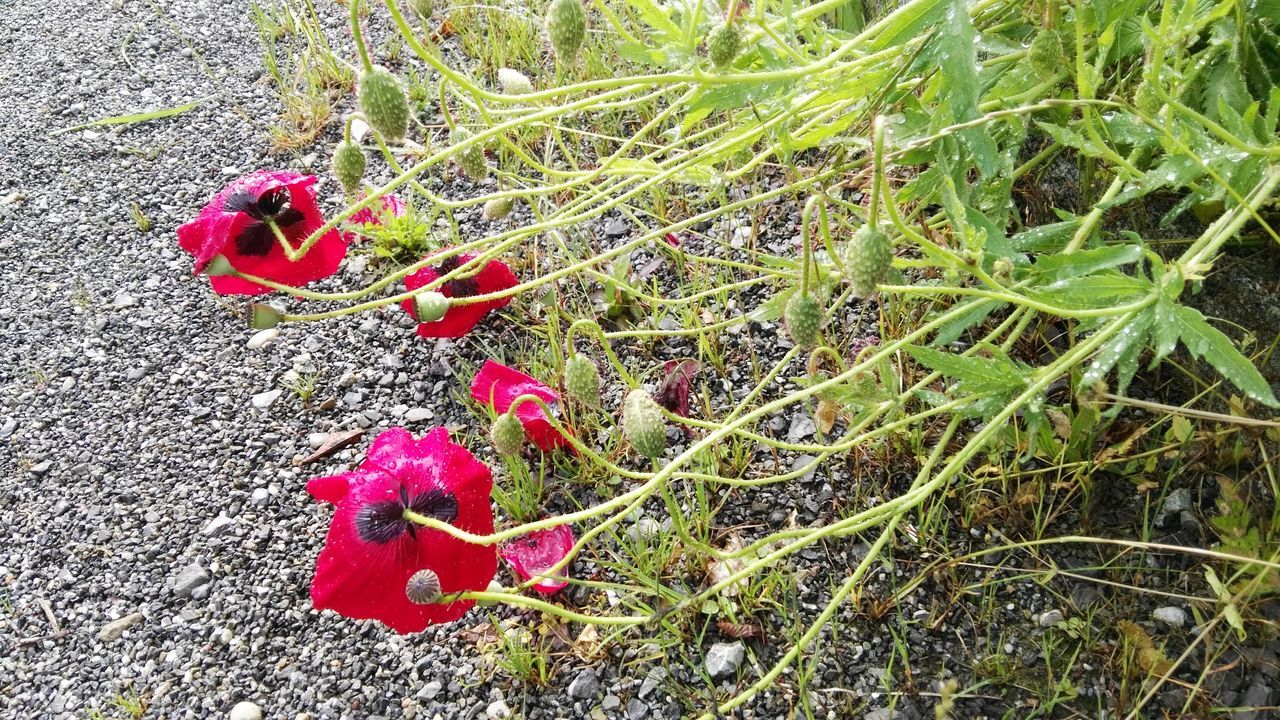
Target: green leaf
x: 1203, y: 340
x: 1165, y: 332
x: 1101, y: 290
x: 1087, y: 262
x: 951, y: 330
x: 1121, y: 350
x: 954, y: 51
x: 976, y: 375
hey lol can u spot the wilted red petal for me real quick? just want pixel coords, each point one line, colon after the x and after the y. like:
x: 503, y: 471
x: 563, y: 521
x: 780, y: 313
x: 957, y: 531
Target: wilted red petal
x: 460, y: 319
x: 677, y: 380
x: 672, y: 239
x: 228, y: 226
x: 369, y: 554
x: 392, y: 206
x: 497, y: 386
x: 537, y: 552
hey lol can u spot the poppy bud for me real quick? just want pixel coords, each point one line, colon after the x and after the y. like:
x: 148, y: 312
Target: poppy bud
x: 723, y: 44
x: 803, y: 317
x: 424, y: 8
x: 383, y: 102
x: 470, y: 160
x: 430, y: 306
x: 567, y: 27
x: 582, y: 381
x: 867, y: 259
x: 348, y: 165
x: 218, y: 266
x: 514, y: 82
x: 265, y: 316
x: 423, y: 588
x: 498, y: 208
x: 643, y: 425
x: 507, y: 434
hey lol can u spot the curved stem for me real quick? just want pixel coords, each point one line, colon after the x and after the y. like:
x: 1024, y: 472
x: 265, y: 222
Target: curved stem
x: 358, y: 36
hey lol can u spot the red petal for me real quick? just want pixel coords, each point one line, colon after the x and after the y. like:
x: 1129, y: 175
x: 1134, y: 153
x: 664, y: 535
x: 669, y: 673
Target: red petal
x: 362, y: 579
x: 497, y: 386
x: 533, y: 554
x: 461, y: 319
x: 214, y: 231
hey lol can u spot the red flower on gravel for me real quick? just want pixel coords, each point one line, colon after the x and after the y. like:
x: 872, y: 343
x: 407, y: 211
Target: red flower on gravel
x: 497, y: 386
x: 372, y: 552
x: 536, y: 553
x: 392, y: 206
x: 236, y: 225
x: 460, y: 319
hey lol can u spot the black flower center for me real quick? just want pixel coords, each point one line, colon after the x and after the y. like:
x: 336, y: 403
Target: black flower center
x: 462, y: 287
x: 383, y: 522
x: 256, y: 238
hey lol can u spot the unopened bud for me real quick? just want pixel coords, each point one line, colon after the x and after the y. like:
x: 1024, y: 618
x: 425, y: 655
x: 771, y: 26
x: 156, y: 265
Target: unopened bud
x: 218, y: 266
x: 514, y: 82
x: 265, y: 316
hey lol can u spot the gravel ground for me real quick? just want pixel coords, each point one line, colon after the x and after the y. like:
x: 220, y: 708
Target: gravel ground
x: 155, y: 538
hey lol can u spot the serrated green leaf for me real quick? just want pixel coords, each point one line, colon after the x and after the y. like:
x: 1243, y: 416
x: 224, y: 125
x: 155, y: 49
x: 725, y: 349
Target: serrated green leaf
x: 976, y: 375
x: 1045, y: 238
x: 1087, y: 262
x: 1123, y: 348
x: 1105, y: 289
x: 952, y: 329
x: 1164, y: 333
x: 1203, y: 340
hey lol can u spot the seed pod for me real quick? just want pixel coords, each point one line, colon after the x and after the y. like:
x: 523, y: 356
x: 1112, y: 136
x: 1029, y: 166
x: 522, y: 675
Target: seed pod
x: 642, y: 424
x: 348, y: 166
x: 567, y: 27
x: 582, y: 381
x: 867, y: 260
x: 723, y: 44
x: 1048, y: 53
x: 470, y: 160
x: 497, y: 208
x: 507, y: 434
x: 430, y: 306
x: 803, y: 317
x: 423, y: 588
x: 383, y: 102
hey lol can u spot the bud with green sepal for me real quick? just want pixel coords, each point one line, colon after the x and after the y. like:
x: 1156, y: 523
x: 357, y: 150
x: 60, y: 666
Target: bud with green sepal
x: 497, y: 208
x: 423, y: 8
x: 430, y: 306
x: 567, y: 27
x: 384, y: 104
x: 470, y: 159
x: 582, y: 381
x: 218, y: 266
x: 264, y: 316
x: 803, y: 317
x: 494, y: 587
x: 723, y: 44
x: 867, y: 260
x: 348, y: 166
x: 643, y: 424
x: 1049, y: 53
x: 507, y: 434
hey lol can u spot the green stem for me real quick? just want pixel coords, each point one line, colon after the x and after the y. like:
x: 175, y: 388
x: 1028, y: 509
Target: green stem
x: 358, y: 36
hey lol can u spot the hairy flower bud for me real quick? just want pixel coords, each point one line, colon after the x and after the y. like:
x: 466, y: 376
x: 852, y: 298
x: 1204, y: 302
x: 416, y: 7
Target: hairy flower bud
x: 643, y: 425
x: 582, y: 381
x: 497, y: 208
x: 471, y: 159
x: 348, y: 166
x: 803, y: 317
x: 867, y: 260
x: 384, y: 104
x: 723, y: 44
x: 514, y: 82
x: 567, y: 27
x: 507, y: 434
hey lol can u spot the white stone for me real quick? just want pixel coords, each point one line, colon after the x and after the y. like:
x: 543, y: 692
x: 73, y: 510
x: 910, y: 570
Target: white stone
x: 1171, y: 616
x: 263, y: 400
x: 723, y: 659
x: 263, y: 338
x: 245, y: 710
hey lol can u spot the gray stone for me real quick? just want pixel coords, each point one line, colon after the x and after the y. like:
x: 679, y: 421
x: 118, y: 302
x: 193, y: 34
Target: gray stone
x: 263, y: 400
x: 1170, y: 616
x: 723, y: 659
x: 653, y: 680
x: 611, y: 702
x: 1051, y: 618
x: 418, y: 415
x: 263, y: 338
x: 430, y: 690
x: 584, y: 686
x: 41, y: 468
x: 802, y: 426
x: 636, y: 709
x: 616, y: 228
x: 189, y: 579
x: 497, y: 710
x: 123, y: 300
x: 245, y: 710
x: 218, y: 526
x: 259, y: 496
x: 114, y: 629
x: 8, y: 429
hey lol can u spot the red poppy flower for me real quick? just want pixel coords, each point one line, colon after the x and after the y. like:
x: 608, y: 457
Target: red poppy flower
x: 460, y: 319
x: 372, y: 552
x: 497, y: 386
x: 392, y: 206
x: 235, y: 225
x: 536, y: 553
